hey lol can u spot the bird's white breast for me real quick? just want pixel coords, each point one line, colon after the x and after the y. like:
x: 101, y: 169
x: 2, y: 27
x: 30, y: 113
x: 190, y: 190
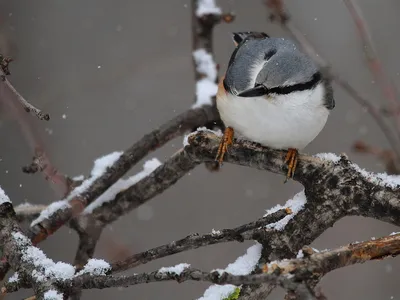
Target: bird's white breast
x: 281, y: 122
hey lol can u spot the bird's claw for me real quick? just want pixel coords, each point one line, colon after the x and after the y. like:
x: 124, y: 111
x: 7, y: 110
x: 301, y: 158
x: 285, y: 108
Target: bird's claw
x: 291, y: 160
x: 226, y: 140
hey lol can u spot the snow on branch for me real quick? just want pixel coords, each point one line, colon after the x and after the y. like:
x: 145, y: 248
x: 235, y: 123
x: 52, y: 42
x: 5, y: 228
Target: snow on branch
x: 205, y: 15
x: 3, y: 197
x: 293, y: 205
x: 51, y: 219
x: 248, y: 231
x: 207, y: 7
x: 100, y: 167
x: 22, y: 256
x: 290, y: 274
x: 242, y: 266
x: 206, y: 87
x: 123, y: 184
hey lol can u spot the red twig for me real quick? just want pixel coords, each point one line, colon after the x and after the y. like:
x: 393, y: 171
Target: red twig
x: 373, y: 60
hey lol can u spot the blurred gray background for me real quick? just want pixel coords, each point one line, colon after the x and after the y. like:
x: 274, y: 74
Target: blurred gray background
x: 110, y: 71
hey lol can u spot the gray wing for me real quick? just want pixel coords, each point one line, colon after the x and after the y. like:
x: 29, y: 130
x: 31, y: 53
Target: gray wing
x: 329, y: 100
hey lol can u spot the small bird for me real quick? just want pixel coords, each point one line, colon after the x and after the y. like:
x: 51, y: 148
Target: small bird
x: 272, y: 94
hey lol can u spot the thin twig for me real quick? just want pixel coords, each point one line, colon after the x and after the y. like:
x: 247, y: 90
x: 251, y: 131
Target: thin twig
x: 195, y: 241
x: 25, y: 104
x: 374, y: 63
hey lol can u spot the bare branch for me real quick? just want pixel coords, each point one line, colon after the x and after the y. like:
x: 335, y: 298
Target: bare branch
x: 245, y: 232
x: 321, y: 263
x: 25, y: 104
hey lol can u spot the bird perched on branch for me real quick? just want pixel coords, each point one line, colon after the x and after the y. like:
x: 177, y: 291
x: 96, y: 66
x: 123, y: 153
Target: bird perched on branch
x: 273, y: 94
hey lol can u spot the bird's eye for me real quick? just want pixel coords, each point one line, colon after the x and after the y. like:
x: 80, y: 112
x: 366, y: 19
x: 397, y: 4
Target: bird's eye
x: 269, y: 54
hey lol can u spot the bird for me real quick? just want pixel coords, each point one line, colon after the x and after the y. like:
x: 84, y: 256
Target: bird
x: 272, y: 94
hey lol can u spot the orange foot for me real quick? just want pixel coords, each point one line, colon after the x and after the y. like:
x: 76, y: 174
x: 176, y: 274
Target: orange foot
x: 226, y: 140
x: 291, y: 160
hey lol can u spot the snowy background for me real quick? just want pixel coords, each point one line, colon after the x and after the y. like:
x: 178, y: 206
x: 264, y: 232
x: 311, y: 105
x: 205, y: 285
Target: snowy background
x: 110, y: 71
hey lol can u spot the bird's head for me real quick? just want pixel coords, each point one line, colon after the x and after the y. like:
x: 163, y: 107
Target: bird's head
x: 261, y: 65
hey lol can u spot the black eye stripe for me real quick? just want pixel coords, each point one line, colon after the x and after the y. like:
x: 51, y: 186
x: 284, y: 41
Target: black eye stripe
x: 269, y: 54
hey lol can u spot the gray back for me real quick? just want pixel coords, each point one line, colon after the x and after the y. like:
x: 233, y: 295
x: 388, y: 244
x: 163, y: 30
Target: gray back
x: 251, y: 65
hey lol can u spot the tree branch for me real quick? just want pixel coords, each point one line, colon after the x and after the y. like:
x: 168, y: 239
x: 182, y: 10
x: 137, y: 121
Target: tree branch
x: 18, y: 250
x: 4, y: 70
x: 150, y: 142
x: 245, y: 232
x: 100, y: 282
x: 292, y: 274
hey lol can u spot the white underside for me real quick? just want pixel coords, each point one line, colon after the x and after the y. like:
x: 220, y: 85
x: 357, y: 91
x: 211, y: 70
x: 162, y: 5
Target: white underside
x: 281, y: 122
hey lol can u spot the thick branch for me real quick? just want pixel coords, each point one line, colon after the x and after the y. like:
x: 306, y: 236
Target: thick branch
x: 320, y: 263
x: 100, y: 282
x: 290, y: 274
x: 150, y: 142
x: 15, y: 249
x: 159, y: 180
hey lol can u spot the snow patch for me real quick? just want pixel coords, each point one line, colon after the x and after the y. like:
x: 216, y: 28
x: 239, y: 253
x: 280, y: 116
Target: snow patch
x: 123, y: 184
x: 328, y: 156
x: 50, y: 210
x: 100, y: 167
x: 207, y: 7
x: 52, y: 295
x: 14, y: 278
x: 300, y: 254
x: 178, y: 269
x: 242, y: 266
x: 46, y: 269
x: 382, y: 179
x: 205, y: 129
x: 95, y: 267
x: 295, y: 205
x: 206, y: 88
x: 3, y: 197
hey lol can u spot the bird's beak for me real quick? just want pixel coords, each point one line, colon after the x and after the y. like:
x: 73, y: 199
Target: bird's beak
x: 254, y: 92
